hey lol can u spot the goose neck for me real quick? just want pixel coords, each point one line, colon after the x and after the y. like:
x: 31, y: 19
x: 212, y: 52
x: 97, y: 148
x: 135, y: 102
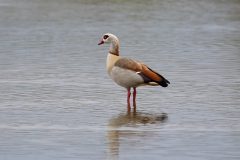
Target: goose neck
x: 114, y: 47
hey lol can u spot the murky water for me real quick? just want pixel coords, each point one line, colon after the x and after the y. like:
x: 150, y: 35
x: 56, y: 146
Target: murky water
x: 57, y: 102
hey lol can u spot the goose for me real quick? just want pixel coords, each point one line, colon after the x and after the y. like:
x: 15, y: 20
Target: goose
x: 127, y: 72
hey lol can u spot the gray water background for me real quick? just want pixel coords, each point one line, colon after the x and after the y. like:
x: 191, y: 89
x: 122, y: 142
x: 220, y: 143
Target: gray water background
x: 57, y: 101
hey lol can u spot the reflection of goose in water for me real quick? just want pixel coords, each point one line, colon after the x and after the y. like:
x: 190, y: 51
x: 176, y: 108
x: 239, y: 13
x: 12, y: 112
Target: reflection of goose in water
x: 124, y: 126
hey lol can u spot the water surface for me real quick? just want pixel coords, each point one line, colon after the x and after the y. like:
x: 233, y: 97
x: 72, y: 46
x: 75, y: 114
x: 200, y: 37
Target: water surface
x: 57, y: 101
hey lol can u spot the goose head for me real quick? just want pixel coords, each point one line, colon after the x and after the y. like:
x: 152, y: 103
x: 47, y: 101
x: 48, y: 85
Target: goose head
x: 108, y: 38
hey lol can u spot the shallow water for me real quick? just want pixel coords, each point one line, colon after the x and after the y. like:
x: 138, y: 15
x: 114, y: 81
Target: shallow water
x: 57, y: 101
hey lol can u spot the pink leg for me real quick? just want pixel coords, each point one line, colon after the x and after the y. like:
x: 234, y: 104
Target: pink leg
x: 128, y: 98
x: 134, y: 97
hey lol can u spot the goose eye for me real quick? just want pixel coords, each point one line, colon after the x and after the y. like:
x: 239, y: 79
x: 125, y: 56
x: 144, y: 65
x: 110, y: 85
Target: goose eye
x: 105, y: 36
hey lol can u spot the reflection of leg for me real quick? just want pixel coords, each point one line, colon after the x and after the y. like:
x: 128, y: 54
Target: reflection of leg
x: 113, y: 139
x: 134, y: 98
x: 128, y: 98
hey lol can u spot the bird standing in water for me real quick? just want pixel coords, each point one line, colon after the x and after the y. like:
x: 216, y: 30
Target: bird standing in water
x: 129, y: 73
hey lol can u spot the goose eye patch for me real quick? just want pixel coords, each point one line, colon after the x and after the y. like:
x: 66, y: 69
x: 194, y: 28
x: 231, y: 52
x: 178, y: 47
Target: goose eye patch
x: 105, y: 36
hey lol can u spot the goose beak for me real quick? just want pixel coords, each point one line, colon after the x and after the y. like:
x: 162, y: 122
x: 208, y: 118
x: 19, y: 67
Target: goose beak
x: 101, y: 42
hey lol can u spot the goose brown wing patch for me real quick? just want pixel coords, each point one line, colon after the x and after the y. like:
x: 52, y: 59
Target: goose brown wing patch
x: 130, y: 64
x: 139, y: 67
x: 151, y: 74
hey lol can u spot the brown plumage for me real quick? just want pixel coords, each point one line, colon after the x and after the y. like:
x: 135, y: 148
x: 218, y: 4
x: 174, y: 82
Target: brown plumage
x: 143, y: 70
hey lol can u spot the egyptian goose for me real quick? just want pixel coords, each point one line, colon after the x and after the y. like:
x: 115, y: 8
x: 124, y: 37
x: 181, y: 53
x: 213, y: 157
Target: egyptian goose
x: 129, y: 73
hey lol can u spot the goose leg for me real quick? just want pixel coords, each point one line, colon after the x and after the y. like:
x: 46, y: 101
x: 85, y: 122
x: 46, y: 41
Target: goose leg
x: 134, y: 97
x: 128, y: 98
